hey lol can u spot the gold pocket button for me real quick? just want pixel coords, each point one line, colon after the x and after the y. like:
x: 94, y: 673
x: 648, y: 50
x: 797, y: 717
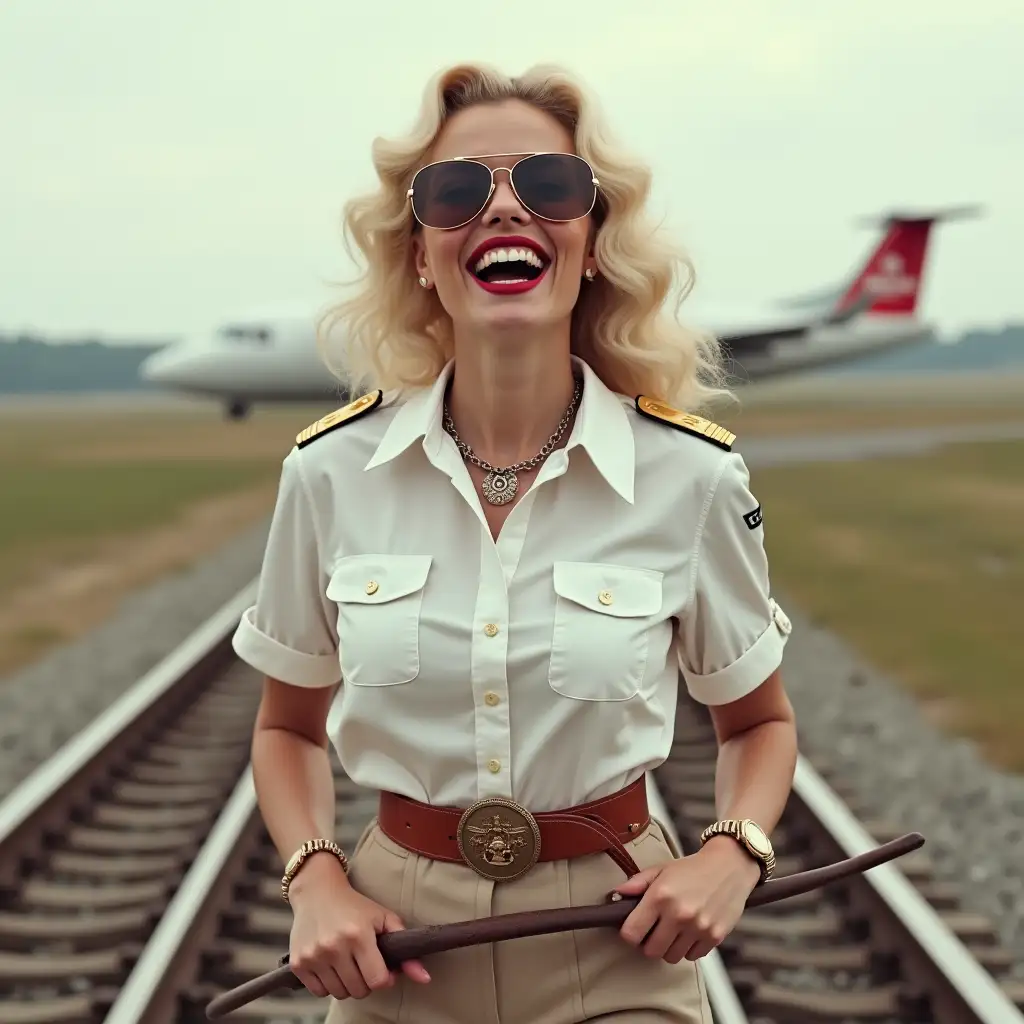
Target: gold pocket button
x: 372, y: 587
x: 605, y: 597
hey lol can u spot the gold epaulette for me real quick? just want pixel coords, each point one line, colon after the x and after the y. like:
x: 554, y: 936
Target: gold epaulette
x: 696, y: 425
x: 360, y: 407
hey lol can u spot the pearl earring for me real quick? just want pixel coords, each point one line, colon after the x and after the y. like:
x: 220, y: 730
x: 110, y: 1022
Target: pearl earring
x: 424, y: 282
x: 589, y: 273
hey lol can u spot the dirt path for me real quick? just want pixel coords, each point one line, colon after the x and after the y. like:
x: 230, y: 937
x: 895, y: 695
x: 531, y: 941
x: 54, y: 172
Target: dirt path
x: 64, y: 599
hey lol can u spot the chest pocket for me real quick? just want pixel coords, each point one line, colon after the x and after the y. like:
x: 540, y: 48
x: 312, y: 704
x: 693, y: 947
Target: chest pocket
x: 603, y: 618
x: 379, y: 598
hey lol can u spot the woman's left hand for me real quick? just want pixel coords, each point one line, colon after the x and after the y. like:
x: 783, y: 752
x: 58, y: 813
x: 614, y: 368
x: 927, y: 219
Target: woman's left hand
x: 690, y: 905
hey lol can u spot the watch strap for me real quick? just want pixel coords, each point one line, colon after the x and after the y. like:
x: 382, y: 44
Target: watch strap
x: 736, y: 828
x: 303, y: 853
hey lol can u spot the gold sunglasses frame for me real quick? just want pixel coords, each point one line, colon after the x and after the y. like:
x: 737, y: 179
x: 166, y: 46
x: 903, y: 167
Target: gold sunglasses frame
x: 490, y: 192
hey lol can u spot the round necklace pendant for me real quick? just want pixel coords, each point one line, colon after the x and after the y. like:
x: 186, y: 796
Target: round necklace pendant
x: 500, y: 487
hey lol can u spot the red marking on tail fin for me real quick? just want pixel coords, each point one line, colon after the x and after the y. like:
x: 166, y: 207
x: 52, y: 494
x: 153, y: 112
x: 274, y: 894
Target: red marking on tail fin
x: 892, y: 275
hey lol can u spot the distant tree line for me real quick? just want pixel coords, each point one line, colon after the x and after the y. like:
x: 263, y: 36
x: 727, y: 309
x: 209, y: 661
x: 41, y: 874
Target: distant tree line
x: 981, y: 349
x: 31, y: 366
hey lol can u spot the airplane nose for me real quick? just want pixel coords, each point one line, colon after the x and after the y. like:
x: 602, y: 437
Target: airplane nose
x: 163, y: 366
x: 152, y: 367
x: 194, y: 365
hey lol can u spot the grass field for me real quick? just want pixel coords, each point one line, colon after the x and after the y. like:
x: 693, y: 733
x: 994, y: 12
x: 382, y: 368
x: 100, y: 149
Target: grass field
x: 801, y: 405
x: 816, y: 417
x: 919, y: 563
x: 98, y: 502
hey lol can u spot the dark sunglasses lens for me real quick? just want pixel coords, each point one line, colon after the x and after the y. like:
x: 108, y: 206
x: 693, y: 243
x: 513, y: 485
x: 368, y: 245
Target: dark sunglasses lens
x: 448, y: 194
x: 555, y: 186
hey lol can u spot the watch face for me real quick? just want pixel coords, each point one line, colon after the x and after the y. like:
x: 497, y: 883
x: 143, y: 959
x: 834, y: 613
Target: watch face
x: 757, y: 839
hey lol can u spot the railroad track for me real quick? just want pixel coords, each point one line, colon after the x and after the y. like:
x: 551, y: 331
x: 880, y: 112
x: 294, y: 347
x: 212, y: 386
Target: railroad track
x: 137, y: 881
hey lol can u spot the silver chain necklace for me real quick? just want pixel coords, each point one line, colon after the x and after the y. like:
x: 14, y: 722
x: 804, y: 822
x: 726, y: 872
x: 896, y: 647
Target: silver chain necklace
x: 500, y: 485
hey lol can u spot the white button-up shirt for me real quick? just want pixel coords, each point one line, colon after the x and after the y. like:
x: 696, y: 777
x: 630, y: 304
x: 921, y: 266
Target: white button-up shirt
x: 542, y: 666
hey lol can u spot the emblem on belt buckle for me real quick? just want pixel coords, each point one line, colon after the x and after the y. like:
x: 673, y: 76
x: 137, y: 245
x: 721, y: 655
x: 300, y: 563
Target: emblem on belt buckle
x: 498, y: 838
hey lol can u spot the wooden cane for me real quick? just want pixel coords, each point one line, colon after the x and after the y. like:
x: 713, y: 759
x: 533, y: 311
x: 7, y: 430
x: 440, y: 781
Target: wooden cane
x: 414, y: 943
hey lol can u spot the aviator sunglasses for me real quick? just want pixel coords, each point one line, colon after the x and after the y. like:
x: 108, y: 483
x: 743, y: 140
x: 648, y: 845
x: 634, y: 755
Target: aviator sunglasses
x: 553, y: 186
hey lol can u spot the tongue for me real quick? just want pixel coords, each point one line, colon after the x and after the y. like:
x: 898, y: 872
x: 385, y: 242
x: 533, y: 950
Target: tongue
x: 505, y: 276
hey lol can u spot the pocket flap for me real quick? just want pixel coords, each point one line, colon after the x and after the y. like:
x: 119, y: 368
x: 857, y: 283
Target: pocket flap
x: 618, y: 590
x: 377, y: 579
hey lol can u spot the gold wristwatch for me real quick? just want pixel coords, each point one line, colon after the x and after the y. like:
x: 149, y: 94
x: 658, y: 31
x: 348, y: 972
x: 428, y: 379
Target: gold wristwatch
x: 750, y: 836
x: 299, y: 857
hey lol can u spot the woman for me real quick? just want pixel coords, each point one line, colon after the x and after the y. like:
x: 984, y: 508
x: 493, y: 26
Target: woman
x: 492, y: 569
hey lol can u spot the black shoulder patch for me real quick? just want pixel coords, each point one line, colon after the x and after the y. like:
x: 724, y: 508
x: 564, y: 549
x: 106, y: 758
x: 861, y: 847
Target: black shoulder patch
x: 754, y: 519
x: 696, y: 425
x: 360, y: 407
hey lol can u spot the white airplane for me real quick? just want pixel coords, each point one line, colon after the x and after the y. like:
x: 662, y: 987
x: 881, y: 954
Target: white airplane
x: 273, y: 356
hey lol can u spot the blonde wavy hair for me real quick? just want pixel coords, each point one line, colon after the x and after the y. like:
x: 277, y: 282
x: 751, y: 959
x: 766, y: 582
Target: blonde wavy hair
x: 625, y: 324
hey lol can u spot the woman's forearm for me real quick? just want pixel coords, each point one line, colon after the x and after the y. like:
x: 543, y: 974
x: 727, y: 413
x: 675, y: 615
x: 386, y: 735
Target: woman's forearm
x: 754, y: 774
x: 294, y: 788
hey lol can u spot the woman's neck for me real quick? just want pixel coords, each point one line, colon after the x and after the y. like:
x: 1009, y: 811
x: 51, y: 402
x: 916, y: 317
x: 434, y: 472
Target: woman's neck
x: 508, y: 399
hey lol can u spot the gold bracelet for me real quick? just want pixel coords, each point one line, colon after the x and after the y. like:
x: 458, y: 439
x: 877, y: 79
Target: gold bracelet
x: 299, y: 857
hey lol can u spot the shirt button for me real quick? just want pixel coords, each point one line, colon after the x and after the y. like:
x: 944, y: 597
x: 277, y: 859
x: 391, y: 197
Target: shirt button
x: 492, y: 698
x: 494, y: 766
x: 605, y: 597
x: 491, y: 629
x: 781, y: 618
x: 372, y: 587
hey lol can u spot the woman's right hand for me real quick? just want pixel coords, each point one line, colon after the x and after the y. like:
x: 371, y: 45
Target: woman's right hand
x: 333, y: 949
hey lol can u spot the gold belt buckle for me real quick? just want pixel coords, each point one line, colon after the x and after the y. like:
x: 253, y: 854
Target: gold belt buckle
x: 498, y: 838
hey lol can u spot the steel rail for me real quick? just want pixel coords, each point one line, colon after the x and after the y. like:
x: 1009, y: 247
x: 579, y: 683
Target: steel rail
x: 725, y: 1003
x: 969, y: 992
x: 69, y: 769
x: 151, y: 989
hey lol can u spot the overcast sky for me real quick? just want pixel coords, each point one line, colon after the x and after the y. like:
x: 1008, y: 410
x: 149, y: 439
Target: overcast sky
x: 164, y: 164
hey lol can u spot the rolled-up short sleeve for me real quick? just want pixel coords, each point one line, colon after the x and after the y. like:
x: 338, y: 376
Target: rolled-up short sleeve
x: 732, y: 634
x: 290, y: 632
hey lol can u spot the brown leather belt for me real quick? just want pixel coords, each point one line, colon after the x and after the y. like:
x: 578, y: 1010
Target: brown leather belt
x: 501, y: 840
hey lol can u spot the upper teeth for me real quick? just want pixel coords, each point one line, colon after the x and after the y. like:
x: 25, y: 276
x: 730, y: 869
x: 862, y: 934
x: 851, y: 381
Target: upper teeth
x: 508, y: 256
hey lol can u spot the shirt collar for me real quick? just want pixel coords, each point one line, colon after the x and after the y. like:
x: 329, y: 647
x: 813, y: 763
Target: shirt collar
x: 418, y: 416
x: 602, y: 428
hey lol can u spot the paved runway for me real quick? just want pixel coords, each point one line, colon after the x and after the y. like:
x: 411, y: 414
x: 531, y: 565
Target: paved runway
x: 871, y: 444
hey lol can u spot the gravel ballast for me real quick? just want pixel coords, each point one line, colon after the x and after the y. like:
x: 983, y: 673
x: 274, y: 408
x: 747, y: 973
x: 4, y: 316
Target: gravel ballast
x: 909, y: 773
x: 46, y: 703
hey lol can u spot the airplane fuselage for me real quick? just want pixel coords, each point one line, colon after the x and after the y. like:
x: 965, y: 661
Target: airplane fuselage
x: 828, y: 345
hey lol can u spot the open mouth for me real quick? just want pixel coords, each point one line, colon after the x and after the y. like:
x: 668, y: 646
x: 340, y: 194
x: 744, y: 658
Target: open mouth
x: 508, y: 268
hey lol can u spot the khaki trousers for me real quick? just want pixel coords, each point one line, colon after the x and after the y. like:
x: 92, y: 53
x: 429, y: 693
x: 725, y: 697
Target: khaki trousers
x: 550, y: 979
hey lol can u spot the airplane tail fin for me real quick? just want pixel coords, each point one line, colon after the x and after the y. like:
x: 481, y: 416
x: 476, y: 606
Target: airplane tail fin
x: 889, y: 282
